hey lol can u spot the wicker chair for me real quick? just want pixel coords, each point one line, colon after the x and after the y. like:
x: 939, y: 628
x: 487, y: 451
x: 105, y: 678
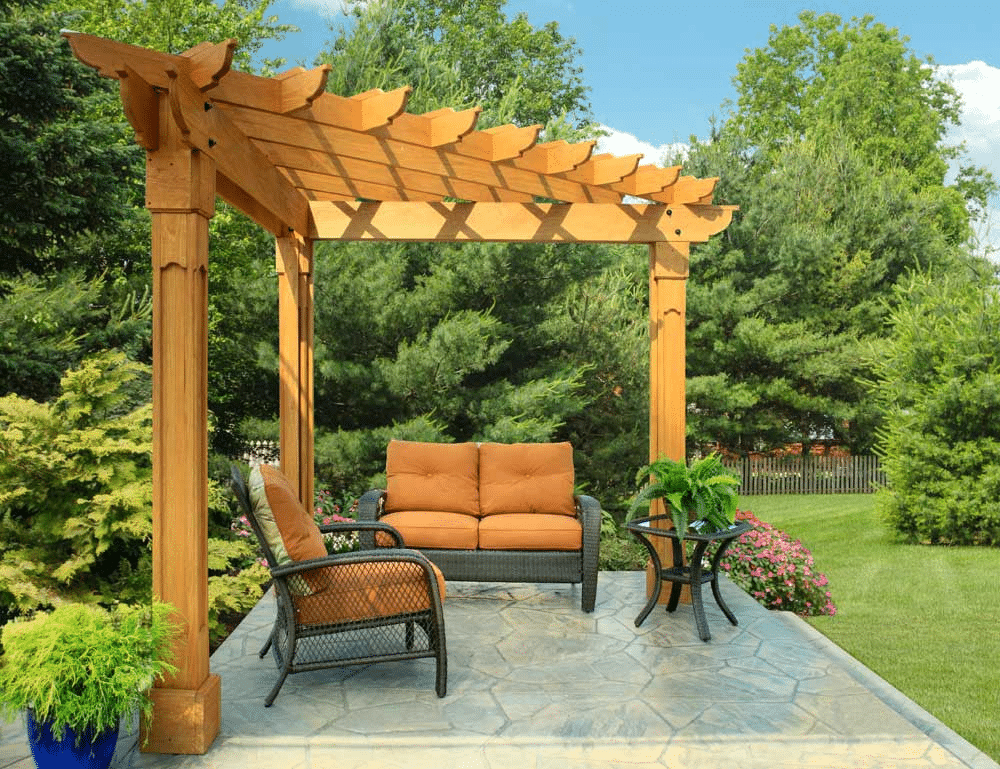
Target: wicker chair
x: 350, y: 608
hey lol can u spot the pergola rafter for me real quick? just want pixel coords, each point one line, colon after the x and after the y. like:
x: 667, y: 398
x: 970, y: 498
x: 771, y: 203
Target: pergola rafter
x: 310, y: 165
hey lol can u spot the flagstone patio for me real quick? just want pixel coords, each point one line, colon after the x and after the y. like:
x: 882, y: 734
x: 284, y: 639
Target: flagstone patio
x: 533, y: 682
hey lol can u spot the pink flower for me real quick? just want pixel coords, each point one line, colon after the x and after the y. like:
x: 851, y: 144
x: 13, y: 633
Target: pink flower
x: 768, y: 558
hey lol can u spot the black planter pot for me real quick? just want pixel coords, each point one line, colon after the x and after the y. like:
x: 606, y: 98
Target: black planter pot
x: 70, y: 749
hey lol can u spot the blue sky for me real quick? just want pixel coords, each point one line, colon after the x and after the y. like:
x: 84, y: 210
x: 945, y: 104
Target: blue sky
x: 660, y: 69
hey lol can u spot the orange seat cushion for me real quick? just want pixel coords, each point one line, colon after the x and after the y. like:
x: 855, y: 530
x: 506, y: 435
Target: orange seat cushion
x: 289, y: 529
x: 433, y: 529
x: 360, y: 591
x: 432, y: 476
x: 530, y: 531
x: 526, y: 478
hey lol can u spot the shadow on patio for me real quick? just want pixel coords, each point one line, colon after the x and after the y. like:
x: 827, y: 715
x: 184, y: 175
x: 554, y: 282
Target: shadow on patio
x: 534, y: 682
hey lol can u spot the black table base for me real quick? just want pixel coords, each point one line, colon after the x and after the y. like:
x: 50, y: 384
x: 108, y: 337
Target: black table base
x: 693, y: 573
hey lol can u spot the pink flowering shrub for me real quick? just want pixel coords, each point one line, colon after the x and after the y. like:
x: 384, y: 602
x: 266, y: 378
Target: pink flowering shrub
x: 329, y: 510
x: 242, y: 529
x: 776, y: 570
x: 325, y: 510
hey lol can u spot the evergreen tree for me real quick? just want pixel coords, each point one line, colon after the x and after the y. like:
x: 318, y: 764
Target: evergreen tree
x: 65, y: 176
x: 938, y: 381
x: 72, y: 179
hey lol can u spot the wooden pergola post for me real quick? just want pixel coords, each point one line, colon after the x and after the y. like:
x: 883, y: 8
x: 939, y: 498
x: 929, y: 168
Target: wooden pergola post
x: 668, y: 272
x: 180, y: 194
x: 294, y: 264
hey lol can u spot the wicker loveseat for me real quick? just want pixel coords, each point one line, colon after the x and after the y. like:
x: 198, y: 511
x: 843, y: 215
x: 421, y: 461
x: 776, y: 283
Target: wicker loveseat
x: 491, y: 512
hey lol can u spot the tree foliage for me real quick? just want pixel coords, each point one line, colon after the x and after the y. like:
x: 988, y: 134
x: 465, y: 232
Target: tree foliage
x: 64, y: 174
x: 461, y: 53
x: 938, y: 381
x: 174, y: 26
x: 50, y: 324
x: 473, y: 342
x: 833, y: 153
x: 854, y: 84
x: 76, y: 497
x: 72, y: 179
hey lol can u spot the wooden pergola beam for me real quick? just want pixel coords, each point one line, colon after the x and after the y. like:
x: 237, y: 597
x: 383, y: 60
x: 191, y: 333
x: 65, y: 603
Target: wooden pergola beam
x: 205, y: 65
x: 442, y: 162
x: 518, y: 222
x: 207, y: 129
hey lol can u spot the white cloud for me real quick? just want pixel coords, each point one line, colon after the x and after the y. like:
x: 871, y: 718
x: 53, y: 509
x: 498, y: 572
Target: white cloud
x: 325, y: 7
x: 621, y: 143
x: 979, y: 85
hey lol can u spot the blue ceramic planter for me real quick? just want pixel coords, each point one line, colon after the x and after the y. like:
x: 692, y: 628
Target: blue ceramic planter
x: 89, y: 751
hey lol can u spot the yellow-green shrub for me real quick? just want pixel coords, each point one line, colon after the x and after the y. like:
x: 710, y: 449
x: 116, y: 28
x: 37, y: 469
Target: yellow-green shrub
x: 76, y: 497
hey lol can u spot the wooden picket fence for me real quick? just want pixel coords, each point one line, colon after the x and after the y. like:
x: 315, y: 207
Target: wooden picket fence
x: 808, y: 475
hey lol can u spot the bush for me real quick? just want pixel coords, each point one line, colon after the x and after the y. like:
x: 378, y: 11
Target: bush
x: 85, y: 668
x: 620, y: 551
x: 938, y: 382
x: 327, y: 509
x: 76, y: 489
x: 76, y: 498
x: 776, y: 570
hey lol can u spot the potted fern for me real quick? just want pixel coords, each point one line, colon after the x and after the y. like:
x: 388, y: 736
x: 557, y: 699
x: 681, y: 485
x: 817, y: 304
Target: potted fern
x: 77, y: 671
x: 703, y: 494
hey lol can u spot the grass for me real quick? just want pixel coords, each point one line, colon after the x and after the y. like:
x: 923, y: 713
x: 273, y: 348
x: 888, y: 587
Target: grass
x: 924, y: 618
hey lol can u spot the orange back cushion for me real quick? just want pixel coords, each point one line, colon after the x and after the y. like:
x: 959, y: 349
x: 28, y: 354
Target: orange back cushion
x: 432, y: 476
x: 290, y: 530
x: 526, y: 478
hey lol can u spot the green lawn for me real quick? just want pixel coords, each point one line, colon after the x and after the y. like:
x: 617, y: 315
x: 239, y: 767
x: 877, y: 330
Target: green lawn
x: 926, y: 619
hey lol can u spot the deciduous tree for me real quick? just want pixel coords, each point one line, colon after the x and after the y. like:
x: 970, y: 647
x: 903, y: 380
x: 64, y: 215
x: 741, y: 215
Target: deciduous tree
x: 461, y: 53
x: 834, y: 154
x: 174, y: 26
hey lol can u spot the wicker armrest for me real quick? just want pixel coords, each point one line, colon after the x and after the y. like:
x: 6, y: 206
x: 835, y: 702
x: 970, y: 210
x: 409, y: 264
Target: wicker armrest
x: 282, y: 574
x: 351, y: 526
x: 589, y: 511
x: 370, y: 505
x: 387, y: 555
x: 370, y: 509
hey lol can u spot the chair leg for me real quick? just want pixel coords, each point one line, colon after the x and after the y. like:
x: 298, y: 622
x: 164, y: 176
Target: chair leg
x: 267, y: 646
x: 277, y: 688
x: 441, y: 685
x: 409, y: 636
x: 588, y: 592
x: 436, y: 636
x: 283, y: 648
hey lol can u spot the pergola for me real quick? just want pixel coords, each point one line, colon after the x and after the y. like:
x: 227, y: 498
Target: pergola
x: 309, y: 165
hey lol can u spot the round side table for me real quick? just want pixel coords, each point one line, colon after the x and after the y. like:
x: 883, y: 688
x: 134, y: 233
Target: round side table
x: 693, y: 573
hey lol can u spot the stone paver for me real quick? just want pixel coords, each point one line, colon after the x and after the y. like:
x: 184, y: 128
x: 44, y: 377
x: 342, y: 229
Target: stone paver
x: 534, y: 683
